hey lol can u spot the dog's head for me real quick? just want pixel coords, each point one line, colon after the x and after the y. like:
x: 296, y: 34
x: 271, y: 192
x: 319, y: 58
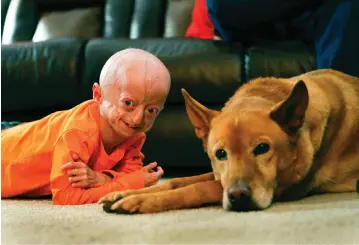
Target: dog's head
x: 252, y: 150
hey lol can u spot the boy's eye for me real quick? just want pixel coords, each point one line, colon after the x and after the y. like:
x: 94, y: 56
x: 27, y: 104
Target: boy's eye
x: 128, y: 103
x: 152, y: 110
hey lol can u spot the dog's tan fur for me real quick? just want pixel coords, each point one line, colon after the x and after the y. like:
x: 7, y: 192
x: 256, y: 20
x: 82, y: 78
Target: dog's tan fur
x: 310, y: 123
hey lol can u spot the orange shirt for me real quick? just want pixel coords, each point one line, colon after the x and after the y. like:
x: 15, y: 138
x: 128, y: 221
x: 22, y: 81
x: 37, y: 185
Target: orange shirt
x: 32, y: 154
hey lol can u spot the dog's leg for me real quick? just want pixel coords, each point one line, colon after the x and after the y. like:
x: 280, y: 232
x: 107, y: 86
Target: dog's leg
x: 347, y: 186
x: 168, y: 185
x: 190, y: 196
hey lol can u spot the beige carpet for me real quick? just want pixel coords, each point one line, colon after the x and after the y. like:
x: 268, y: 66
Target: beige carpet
x: 326, y: 219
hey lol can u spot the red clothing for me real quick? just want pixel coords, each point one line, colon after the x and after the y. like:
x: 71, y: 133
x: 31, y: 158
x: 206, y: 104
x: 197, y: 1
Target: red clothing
x: 33, y: 153
x: 201, y: 25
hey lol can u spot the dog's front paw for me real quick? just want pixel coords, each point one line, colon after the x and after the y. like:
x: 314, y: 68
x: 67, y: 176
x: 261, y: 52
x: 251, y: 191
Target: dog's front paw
x: 108, y: 200
x: 111, y: 197
x: 136, y: 204
x: 106, y: 206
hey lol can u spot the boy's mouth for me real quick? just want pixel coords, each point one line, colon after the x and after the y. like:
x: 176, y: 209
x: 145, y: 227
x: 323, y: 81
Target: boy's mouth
x: 131, y: 127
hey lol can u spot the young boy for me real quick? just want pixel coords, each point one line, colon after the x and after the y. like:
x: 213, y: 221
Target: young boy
x: 81, y: 154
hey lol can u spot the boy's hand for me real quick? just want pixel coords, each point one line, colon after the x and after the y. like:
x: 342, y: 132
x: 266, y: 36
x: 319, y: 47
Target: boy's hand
x: 80, y: 175
x: 151, y: 176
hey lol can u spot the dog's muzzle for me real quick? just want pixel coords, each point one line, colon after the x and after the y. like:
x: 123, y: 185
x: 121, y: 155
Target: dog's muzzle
x: 240, y: 197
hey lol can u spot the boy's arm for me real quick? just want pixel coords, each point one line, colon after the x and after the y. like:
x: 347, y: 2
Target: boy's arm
x: 77, y: 142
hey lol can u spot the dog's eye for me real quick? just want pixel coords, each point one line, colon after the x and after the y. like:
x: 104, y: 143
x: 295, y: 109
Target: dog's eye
x: 261, y: 149
x: 221, y: 155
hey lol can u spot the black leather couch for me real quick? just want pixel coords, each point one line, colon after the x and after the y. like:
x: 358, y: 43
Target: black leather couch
x: 41, y: 77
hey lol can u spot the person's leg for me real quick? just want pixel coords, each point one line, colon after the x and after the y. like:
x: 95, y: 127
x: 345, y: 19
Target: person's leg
x: 233, y: 23
x: 337, y: 42
x: 240, y: 18
x: 333, y: 28
x: 223, y: 31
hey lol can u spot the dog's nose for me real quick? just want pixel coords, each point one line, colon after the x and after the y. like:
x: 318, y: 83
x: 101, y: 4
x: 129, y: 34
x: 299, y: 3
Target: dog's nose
x: 239, y: 196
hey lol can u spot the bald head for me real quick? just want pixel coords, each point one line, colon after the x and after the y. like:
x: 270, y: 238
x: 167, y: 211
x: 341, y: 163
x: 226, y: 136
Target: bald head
x: 135, y: 66
x: 133, y: 88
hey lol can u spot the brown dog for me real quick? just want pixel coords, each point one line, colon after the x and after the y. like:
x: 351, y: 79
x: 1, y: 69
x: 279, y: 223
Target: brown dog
x: 274, y: 139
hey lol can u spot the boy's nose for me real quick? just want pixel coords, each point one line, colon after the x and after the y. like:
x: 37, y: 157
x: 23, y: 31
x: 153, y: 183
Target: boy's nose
x: 137, y: 116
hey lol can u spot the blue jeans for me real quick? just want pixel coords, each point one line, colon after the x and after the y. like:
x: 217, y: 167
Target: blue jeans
x: 333, y: 26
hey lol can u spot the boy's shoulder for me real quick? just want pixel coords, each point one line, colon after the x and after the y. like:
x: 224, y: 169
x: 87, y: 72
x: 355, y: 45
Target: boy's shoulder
x: 84, y: 117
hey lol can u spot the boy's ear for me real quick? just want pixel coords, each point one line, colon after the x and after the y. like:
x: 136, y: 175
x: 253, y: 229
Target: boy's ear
x: 290, y: 113
x: 96, y: 92
x: 200, y: 117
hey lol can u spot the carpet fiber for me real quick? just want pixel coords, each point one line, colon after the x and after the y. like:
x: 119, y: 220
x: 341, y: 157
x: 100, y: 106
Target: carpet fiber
x: 330, y: 218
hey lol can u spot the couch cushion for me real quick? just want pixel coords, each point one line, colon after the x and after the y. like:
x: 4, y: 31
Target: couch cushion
x: 4, y: 8
x: 85, y: 23
x: 210, y: 70
x: 147, y: 19
x: 178, y: 17
x: 281, y: 59
x: 40, y: 75
x: 20, y: 22
x: 117, y: 18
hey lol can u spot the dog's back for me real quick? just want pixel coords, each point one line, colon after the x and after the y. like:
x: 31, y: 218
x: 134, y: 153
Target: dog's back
x: 338, y: 154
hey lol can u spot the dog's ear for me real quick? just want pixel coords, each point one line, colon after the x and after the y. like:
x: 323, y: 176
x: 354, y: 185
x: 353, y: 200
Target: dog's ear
x: 290, y: 113
x: 199, y: 115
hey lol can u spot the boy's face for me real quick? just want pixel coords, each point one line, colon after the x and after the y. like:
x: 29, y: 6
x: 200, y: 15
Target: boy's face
x: 133, y: 100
